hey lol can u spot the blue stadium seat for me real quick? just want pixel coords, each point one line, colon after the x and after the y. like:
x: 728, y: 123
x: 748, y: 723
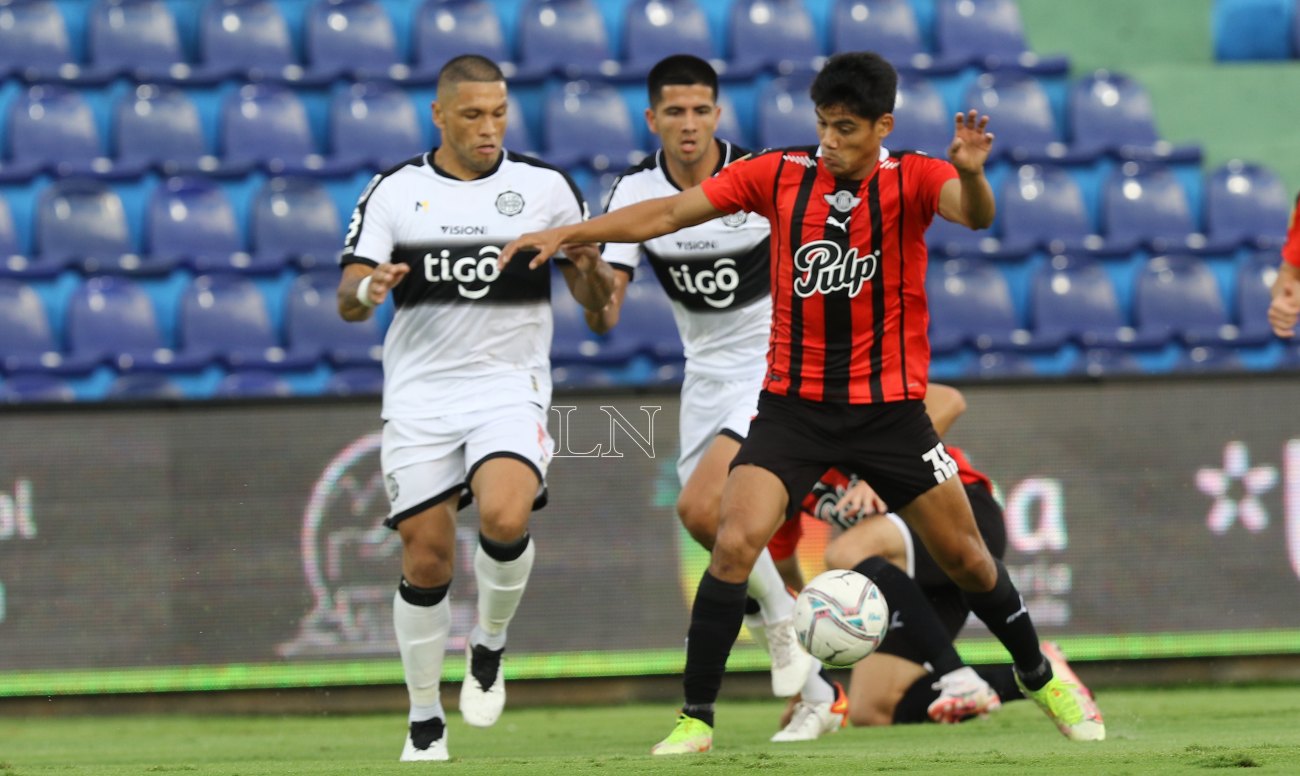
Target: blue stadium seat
x: 136, y: 37
x: 1246, y: 203
x: 267, y: 124
x: 1252, y: 29
x: 349, y: 36
x: 988, y: 33
x: 1202, y: 359
x: 970, y: 303
x: 1146, y: 203
x: 1180, y: 296
x: 27, y: 342
x: 112, y: 319
x: 655, y: 29
x: 785, y: 114
x: 245, y: 37
x: 34, y: 388
x: 775, y: 35
x: 81, y: 219
x: 1020, y: 115
x: 8, y: 234
x: 313, y: 328
x: 192, y: 220
x: 294, y: 219
x: 1111, y: 113
x: 646, y: 325
x: 1042, y: 206
x: 563, y: 37
x: 1073, y: 297
x: 53, y: 127
x: 730, y: 127
x: 226, y: 316
x: 144, y: 386
x: 252, y: 384
x: 587, y: 122
x: 922, y: 121
x: 1002, y: 365
x: 573, y: 343
x: 356, y: 381
x: 583, y: 376
x: 1105, y: 362
x: 889, y: 28
x: 447, y: 28
x: 33, y: 39
x: 373, y: 124
x: 158, y: 125
x: 1255, y: 276
x: 518, y: 137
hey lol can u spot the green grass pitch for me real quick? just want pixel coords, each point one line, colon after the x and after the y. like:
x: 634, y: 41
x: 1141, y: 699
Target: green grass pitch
x: 1155, y: 731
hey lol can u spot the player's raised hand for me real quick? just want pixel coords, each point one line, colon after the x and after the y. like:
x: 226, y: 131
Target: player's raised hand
x: 383, y: 279
x: 546, y: 243
x: 860, y: 500
x: 971, y: 143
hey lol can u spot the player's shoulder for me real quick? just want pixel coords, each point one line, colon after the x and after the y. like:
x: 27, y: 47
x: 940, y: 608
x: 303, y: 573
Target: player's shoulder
x: 397, y: 172
x: 536, y: 166
x: 913, y: 157
x: 805, y: 156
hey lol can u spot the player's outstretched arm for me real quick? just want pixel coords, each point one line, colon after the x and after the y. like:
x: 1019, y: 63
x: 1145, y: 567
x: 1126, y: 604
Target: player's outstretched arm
x: 944, y: 404
x: 633, y: 224
x: 361, y: 288
x: 968, y: 200
x: 1284, y: 309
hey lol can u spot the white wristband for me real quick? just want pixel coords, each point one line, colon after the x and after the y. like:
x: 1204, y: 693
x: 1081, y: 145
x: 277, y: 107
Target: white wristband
x: 363, y: 292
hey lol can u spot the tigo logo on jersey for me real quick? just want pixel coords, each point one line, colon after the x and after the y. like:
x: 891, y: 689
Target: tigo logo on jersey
x: 706, y: 283
x: 825, y: 267
x: 474, y: 273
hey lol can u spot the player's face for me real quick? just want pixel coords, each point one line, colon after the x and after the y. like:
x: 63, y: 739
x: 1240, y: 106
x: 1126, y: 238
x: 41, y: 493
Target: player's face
x: 472, y: 118
x: 685, y: 119
x: 850, y: 143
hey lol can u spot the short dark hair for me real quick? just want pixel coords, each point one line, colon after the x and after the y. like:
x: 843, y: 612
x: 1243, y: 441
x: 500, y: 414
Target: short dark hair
x: 469, y: 67
x: 861, y: 82
x: 680, y: 70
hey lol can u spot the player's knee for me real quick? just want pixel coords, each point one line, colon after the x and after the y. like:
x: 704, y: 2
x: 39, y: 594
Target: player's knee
x: 839, y: 556
x: 972, y: 569
x: 734, y: 554
x: 699, y: 518
x: 870, y: 715
x: 503, y: 525
x: 426, y: 565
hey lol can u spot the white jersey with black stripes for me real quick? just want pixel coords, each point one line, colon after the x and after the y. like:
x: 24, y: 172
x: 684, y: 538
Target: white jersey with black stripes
x: 465, y: 336
x: 716, y: 274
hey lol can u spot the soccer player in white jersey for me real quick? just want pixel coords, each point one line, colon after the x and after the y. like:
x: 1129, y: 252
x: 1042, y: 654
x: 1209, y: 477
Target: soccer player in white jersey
x: 467, y: 381
x: 716, y: 275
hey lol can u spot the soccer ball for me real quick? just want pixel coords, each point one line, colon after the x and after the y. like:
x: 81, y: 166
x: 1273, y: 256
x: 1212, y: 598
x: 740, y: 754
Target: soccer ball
x: 840, y: 617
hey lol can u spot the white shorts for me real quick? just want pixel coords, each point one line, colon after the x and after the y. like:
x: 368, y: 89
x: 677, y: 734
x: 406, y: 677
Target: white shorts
x: 711, y: 407
x: 426, y: 461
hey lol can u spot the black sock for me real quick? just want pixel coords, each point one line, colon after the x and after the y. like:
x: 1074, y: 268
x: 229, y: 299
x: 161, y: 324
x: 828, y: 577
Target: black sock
x: 1003, y: 611
x: 503, y: 552
x: 911, y: 615
x: 914, y: 706
x: 752, y: 606
x: 1003, y: 681
x: 715, y: 623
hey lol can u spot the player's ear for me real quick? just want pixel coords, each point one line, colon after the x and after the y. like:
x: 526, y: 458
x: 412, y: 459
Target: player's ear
x: 438, y: 120
x: 884, y: 125
x: 650, y: 120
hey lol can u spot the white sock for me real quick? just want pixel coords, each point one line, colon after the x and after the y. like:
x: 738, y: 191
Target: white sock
x: 816, y: 689
x: 766, y: 587
x: 422, y: 639
x: 500, y: 587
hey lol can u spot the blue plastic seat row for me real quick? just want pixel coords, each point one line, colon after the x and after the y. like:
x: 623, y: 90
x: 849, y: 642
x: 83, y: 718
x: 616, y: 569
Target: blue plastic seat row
x: 369, y: 38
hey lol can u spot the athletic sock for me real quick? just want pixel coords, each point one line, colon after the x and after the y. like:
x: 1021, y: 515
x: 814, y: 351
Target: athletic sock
x: 422, y: 620
x: 1004, y: 612
x: 767, y: 587
x: 501, y: 571
x: 715, y: 623
x: 818, y: 688
x: 1003, y: 681
x: 911, y: 615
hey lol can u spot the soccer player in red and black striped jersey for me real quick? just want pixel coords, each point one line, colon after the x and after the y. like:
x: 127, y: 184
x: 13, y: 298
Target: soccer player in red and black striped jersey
x: 847, y: 362
x: 1285, y: 307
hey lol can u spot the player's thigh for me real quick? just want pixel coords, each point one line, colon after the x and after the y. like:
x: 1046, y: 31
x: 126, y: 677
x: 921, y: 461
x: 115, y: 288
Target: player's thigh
x: 943, y: 520
x: 878, y: 683
x: 753, y: 506
x: 509, y: 451
x: 700, y: 502
x: 881, y: 535
x: 423, y: 462
x: 429, y: 544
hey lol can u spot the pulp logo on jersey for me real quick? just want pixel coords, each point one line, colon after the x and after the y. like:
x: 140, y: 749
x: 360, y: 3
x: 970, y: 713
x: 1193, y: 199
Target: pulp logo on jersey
x: 723, y: 278
x: 474, y: 273
x: 825, y: 267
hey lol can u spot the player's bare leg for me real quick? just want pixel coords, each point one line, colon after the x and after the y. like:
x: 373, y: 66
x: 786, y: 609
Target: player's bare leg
x: 699, y: 506
x: 505, y: 489
x: 422, y: 621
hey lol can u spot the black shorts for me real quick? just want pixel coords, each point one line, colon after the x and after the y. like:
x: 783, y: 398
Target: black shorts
x: 940, y: 591
x: 884, y: 444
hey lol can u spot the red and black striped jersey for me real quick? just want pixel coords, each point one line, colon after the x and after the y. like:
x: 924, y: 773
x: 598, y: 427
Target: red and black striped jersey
x: 1291, y: 248
x: 849, y: 314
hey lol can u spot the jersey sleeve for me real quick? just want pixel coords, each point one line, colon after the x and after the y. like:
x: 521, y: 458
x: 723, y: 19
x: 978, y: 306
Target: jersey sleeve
x: 570, y: 207
x: 622, y: 256
x: 370, y: 232
x: 926, y: 176
x: 744, y: 185
x: 1291, y: 248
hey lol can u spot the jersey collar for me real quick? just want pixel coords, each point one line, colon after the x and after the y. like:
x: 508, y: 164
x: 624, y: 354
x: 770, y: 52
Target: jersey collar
x: 724, y: 154
x: 433, y: 166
